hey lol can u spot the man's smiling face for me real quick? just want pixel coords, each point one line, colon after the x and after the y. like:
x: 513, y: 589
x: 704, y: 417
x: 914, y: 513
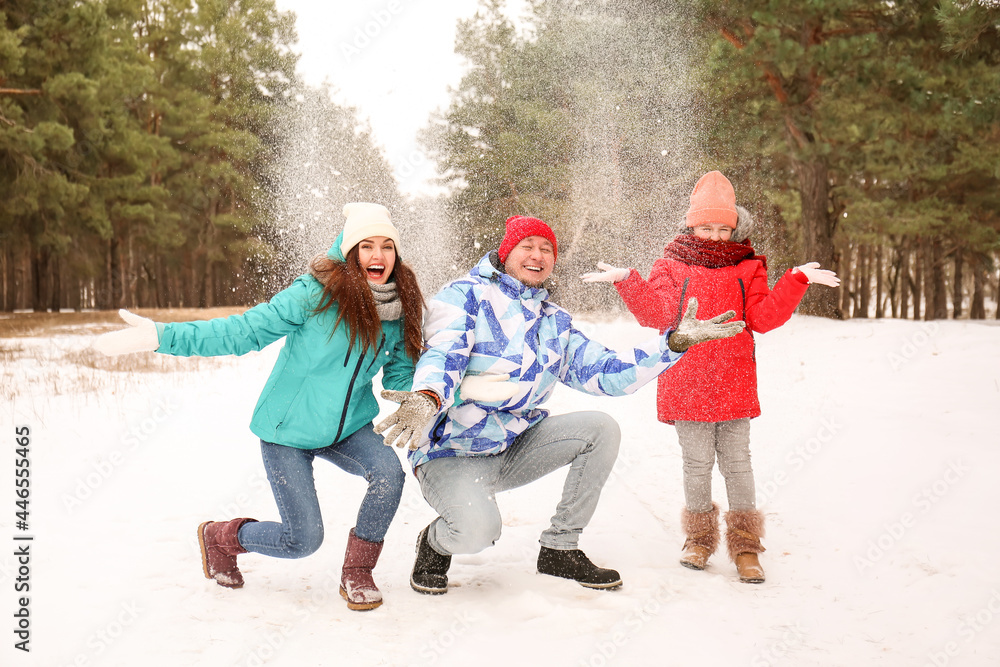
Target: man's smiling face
x: 531, y: 261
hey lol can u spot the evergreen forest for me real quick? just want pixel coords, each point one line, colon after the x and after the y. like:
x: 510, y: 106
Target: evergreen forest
x: 149, y: 149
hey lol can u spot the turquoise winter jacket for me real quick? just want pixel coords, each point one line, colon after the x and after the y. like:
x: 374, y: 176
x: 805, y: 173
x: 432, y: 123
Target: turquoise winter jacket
x: 318, y: 392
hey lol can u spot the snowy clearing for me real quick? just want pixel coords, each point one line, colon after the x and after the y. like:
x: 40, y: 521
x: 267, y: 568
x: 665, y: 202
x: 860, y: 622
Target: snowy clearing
x: 875, y: 460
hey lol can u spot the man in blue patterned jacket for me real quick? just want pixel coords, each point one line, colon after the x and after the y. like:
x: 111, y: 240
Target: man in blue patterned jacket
x: 496, y: 347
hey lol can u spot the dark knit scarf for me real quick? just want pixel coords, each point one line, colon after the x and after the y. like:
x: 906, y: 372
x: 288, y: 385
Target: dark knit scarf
x: 690, y: 249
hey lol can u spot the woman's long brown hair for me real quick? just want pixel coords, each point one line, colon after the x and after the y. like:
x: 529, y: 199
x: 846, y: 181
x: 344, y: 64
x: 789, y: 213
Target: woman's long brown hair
x: 345, y: 284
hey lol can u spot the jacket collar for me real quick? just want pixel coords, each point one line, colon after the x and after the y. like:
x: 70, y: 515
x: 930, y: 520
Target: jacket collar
x: 490, y: 268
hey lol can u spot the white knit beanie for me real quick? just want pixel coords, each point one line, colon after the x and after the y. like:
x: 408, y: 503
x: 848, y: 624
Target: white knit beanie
x: 365, y: 221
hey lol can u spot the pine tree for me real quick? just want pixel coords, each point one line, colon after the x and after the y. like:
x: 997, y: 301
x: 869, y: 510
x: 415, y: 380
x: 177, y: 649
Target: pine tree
x: 51, y: 51
x: 583, y: 121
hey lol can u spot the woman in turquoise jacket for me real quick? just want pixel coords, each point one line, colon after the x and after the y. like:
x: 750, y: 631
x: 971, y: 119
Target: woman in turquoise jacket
x: 359, y: 310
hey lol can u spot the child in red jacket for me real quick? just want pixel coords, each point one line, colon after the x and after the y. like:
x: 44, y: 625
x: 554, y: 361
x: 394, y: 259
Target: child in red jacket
x: 711, y: 395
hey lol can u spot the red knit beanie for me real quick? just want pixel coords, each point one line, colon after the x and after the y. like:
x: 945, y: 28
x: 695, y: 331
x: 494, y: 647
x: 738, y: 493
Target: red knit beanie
x: 712, y: 200
x: 520, y: 227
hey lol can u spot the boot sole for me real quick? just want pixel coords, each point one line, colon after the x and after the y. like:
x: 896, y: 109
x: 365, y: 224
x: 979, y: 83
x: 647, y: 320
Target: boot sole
x: 610, y: 586
x: 204, y: 550
x: 693, y: 566
x: 359, y: 606
x: 427, y: 590
x: 752, y: 580
x: 204, y: 557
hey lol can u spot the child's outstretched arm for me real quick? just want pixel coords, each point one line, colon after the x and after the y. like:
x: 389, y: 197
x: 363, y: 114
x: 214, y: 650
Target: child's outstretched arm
x: 814, y: 274
x: 769, y: 309
x: 645, y: 303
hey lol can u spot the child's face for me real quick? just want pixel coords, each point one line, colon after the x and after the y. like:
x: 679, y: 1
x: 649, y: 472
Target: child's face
x: 713, y: 231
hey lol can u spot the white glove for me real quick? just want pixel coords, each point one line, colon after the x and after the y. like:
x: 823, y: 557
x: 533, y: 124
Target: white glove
x: 140, y: 336
x: 608, y: 274
x: 814, y: 274
x: 491, y: 388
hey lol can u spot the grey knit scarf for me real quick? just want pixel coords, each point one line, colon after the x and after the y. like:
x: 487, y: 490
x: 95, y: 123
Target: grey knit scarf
x: 387, y: 301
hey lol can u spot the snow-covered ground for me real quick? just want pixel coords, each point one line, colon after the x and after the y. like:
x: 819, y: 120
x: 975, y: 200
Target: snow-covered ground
x: 876, y: 463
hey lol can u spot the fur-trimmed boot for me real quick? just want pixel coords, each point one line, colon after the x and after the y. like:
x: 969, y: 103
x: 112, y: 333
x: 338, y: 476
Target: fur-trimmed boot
x: 702, y: 537
x: 220, y: 545
x: 356, y: 583
x: 744, y: 528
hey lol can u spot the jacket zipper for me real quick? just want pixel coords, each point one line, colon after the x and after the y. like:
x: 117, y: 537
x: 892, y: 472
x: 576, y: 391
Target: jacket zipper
x: 350, y: 386
x: 682, y: 309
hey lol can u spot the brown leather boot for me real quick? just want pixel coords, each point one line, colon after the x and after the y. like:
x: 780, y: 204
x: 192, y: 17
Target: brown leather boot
x: 702, y: 531
x: 219, y: 547
x: 356, y: 583
x: 744, y: 528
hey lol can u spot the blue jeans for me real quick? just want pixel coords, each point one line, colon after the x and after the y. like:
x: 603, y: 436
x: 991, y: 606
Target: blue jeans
x: 462, y: 490
x: 290, y: 472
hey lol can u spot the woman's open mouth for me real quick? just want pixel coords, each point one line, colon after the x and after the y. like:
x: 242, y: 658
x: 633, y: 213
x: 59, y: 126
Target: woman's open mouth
x: 375, y: 272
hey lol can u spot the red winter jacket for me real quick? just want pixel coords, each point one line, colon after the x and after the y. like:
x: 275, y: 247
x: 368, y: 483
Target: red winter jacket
x: 714, y: 381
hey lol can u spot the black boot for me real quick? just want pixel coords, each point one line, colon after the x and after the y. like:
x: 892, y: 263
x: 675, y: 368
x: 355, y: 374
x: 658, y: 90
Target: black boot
x: 574, y: 564
x: 430, y: 569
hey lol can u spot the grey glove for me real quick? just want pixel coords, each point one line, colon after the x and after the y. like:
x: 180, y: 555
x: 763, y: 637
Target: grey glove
x: 408, y: 421
x: 692, y: 331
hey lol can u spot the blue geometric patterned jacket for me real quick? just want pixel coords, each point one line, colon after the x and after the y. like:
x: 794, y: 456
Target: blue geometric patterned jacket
x: 491, y: 323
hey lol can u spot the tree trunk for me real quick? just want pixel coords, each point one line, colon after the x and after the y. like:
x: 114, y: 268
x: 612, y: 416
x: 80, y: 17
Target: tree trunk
x: 7, y: 271
x: 117, y: 296
x: 131, y: 275
x: 904, y: 280
x: 846, y: 271
x: 977, y: 306
x: 817, y: 225
x: 939, y: 297
x: 956, y: 288
x: 879, y: 281
x: 40, y: 278
x: 917, y: 287
x: 996, y: 315
x: 864, y: 290
x: 162, y: 282
x: 893, y: 277
x: 190, y: 283
x: 55, y: 285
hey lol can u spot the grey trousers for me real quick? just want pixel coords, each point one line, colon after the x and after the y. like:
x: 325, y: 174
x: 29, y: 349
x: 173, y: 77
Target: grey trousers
x: 462, y: 490
x: 700, y: 443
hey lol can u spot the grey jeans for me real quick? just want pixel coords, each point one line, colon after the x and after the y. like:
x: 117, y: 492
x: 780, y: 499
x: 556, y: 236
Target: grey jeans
x: 462, y: 490
x: 700, y: 443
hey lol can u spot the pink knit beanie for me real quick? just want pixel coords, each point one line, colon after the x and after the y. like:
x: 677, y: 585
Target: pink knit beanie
x: 712, y: 200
